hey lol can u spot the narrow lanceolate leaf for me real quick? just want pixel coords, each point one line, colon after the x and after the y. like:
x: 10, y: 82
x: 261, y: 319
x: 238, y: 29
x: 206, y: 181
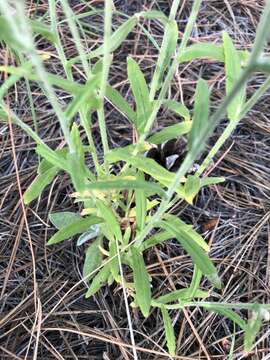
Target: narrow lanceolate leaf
x: 93, y: 259
x: 39, y: 28
x: 120, y: 103
x: 201, y: 51
x: 178, y: 108
x: 45, y: 165
x: 114, y: 262
x: 182, y: 295
x: 110, y: 226
x: 97, y: 282
x: 77, y: 227
x: 201, y: 113
x: 252, y: 329
x: 170, y: 132
x: 52, y: 157
x: 195, y: 283
x: 167, y: 50
x: 154, y: 15
x: 141, y: 94
x: 147, y: 165
x: 63, y: 218
x: 82, y: 99
x: 116, y: 40
x: 211, y: 180
x: 169, y: 331
x: 199, y: 257
x: 187, y: 230
x: 126, y: 184
x: 156, y: 239
x: 233, y: 73
x: 55, y: 80
x: 39, y: 183
x: 141, y: 282
x: 191, y: 188
x: 77, y: 167
x: 117, y: 37
x: 208, y: 51
x: 227, y: 312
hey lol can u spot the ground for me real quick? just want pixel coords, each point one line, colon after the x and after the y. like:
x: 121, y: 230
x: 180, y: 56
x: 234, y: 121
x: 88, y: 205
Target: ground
x: 41, y: 285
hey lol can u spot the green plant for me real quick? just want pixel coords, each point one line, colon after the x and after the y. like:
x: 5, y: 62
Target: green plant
x: 121, y: 211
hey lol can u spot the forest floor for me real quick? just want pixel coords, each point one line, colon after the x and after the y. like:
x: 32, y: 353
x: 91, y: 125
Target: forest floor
x: 232, y: 216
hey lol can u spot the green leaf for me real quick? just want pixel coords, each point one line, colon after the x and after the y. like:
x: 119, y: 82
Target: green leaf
x: 7, y: 35
x: 120, y: 103
x: 188, y: 231
x: 209, y: 180
x: 39, y: 183
x: 208, y: 51
x: 78, y: 170
x: 83, y: 98
x: 156, y: 239
x: 70, y: 86
x: 126, y: 184
x: 170, y: 132
x: 252, y: 329
x: 182, y: 295
x: 147, y: 165
x: 141, y: 282
x: 63, y: 218
x: 202, y: 50
x: 169, y: 331
x: 45, y: 165
x: 233, y: 72
x: 201, y: 113
x: 195, y: 283
x: 166, y: 52
x: 117, y: 37
x: 52, y: 157
x: 191, y: 188
x: 154, y: 15
x: 199, y: 257
x: 116, y: 40
x: 111, y: 226
x: 97, y: 282
x: 93, y: 258
x: 178, y: 108
x: 39, y: 28
x: 76, y: 227
x: 141, y: 94
x: 227, y: 312
x: 114, y: 264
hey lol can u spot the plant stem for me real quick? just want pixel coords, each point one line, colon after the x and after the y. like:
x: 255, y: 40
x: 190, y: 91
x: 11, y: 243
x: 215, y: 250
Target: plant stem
x: 174, y: 8
x: 74, y: 31
x: 171, y: 72
x: 104, y: 76
x: 232, y: 125
x: 209, y: 305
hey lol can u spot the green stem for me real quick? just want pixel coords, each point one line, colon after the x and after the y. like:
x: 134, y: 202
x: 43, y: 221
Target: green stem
x: 174, y: 8
x: 75, y: 34
x: 104, y: 76
x: 208, y: 305
x: 232, y: 125
x: 85, y: 122
x: 170, y: 75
